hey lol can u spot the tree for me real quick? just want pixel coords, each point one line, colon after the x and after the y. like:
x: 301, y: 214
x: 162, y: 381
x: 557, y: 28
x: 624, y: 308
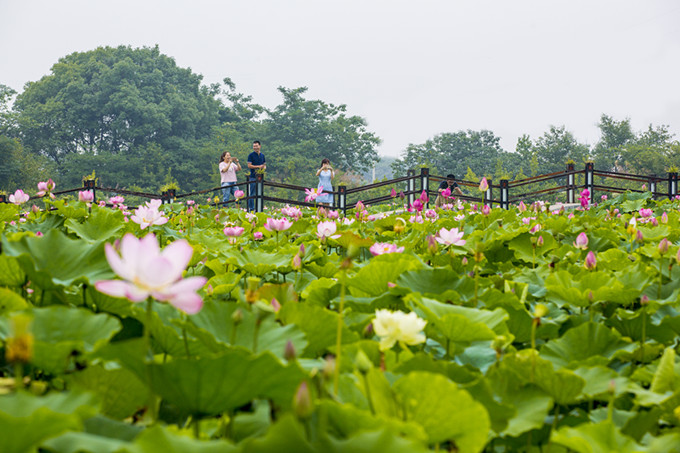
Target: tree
x: 453, y: 153
x: 114, y: 101
x: 615, y: 135
x: 652, y: 152
x: 555, y: 147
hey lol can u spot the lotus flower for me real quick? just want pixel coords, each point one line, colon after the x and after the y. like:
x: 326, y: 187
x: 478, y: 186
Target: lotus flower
x: 327, y: 230
x: 486, y: 209
x: 277, y: 224
x: 581, y: 241
x: 393, y: 193
x: 446, y: 193
x: 645, y: 212
x: 257, y: 235
x: 312, y: 194
x: 584, y: 198
x: 19, y: 197
x: 86, y: 196
x: 423, y: 197
x: 149, y: 214
x: 149, y: 272
x: 238, y: 194
x: 450, y: 237
x: 333, y: 214
x: 483, y: 185
x: 116, y: 200
x: 393, y: 326
x: 46, y: 187
x: 233, y: 231
x: 381, y: 248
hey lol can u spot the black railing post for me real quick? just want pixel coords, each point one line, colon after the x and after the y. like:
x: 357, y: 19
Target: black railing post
x: 488, y: 194
x: 505, y: 194
x: 411, y: 186
x: 590, y: 181
x: 3, y: 198
x: 672, y: 184
x: 164, y: 197
x: 571, y: 184
x: 88, y: 184
x: 425, y: 183
x: 342, y: 199
x: 259, y: 192
x: 652, y: 186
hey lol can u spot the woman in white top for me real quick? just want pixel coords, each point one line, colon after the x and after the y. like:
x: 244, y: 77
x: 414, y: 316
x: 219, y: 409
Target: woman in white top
x: 325, y: 174
x: 228, y: 168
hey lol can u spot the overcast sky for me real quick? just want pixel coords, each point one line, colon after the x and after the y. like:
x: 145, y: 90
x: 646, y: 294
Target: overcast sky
x: 412, y: 69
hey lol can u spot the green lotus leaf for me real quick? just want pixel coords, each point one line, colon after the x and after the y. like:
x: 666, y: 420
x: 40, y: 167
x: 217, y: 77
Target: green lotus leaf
x: 157, y: 439
x: 372, y: 279
x: 224, y: 283
x: 526, y: 251
x: 500, y: 412
x: 584, y: 289
x: 120, y: 391
x: 259, y: 263
x: 212, y: 385
x: 440, y: 284
x: 54, y: 260
x: 11, y: 301
x: 321, y: 292
x: 664, y: 443
x: 286, y: 435
x: 428, y: 399
x: 599, y: 381
x: 75, y: 442
x: 215, y: 327
x: 27, y: 420
x: 252, y: 424
x: 11, y: 273
x: 385, y: 439
x: 595, y: 437
x: 665, y: 378
x: 423, y: 362
x: 314, y: 321
x: 589, y: 343
x: 61, y: 333
x: 492, y: 320
x: 101, y: 225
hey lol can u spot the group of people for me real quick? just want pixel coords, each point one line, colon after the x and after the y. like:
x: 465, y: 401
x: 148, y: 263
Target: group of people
x: 256, y: 161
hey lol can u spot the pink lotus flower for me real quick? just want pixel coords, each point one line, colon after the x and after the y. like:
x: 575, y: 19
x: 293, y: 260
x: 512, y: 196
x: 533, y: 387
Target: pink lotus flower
x: 312, y: 194
x: 591, y: 261
x: 645, y: 212
x: 664, y: 218
x: 581, y: 241
x: 277, y: 224
x: 446, y: 193
x: 238, y: 194
x: 417, y: 206
x: 431, y: 214
x: 327, y: 230
x: 149, y: 214
x: 19, y: 197
x: 46, y: 187
x: 393, y: 193
x: 39, y: 234
x: 233, y: 232
x: 381, y: 248
x: 333, y: 215
x: 486, y: 209
x: 116, y: 200
x: 359, y: 206
x: 535, y: 229
x: 483, y: 185
x: 423, y: 197
x: 450, y: 237
x: 86, y: 196
x: 584, y: 198
x: 257, y: 235
x: 149, y: 272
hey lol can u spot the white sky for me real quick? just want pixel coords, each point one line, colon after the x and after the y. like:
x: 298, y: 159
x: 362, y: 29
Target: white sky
x: 412, y: 68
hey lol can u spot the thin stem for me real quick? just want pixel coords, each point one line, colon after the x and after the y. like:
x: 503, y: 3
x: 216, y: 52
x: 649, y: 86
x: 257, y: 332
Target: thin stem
x: 18, y: 375
x: 368, y: 394
x: 338, y: 336
x: 149, y: 351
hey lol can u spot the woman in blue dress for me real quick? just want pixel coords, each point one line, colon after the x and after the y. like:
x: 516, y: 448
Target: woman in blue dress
x: 325, y: 174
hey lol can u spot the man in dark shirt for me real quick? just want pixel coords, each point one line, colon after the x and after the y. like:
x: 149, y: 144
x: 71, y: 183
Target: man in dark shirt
x: 449, y: 183
x: 256, y: 161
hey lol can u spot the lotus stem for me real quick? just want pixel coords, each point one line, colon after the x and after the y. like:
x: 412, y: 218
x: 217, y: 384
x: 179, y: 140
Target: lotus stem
x: 338, y: 337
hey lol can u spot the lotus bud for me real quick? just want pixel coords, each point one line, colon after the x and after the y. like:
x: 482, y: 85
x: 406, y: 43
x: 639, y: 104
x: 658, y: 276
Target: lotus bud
x: 632, y: 226
x: 612, y: 386
x: 483, y: 185
x: 393, y: 193
x: 297, y: 262
x: 539, y: 241
x: 362, y: 362
x: 302, y: 250
x: 289, y: 351
x: 581, y: 241
x: 237, y: 316
x: 35, y: 209
x: 590, y: 296
x: 402, y: 195
x: 275, y: 305
x: 677, y: 257
x: 432, y: 246
x: 540, y: 311
x: 663, y: 246
x: 486, y: 210
x: 664, y: 218
x: 654, y: 222
x: 644, y: 300
x: 591, y: 261
x: 302, y: 402
x: 423, y: 197
x: 368, y: 330
x: 328, y: 369
x: 522, y: 207
x: 638, y: 237
x: 360, y: 206
x: 464, y: 261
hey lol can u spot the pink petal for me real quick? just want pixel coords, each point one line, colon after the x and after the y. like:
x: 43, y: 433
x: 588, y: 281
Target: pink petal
x: 121, y: 289
x: 190, y: 302
x: 178, y: 253
x: 117, y: 264
x: 159, y: 274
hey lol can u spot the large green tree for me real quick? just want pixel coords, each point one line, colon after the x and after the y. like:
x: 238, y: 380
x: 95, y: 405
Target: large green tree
x: 557, y: 146
x: 614, y: 137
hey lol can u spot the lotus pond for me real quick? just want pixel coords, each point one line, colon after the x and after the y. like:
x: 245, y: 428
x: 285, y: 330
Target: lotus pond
x: 188, y: 328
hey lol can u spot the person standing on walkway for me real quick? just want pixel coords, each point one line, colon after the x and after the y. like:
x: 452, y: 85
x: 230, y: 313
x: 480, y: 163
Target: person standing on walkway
x: 449, y: 183
x: 256, y: 161
x: 325, y: 174
x: 228, y: 168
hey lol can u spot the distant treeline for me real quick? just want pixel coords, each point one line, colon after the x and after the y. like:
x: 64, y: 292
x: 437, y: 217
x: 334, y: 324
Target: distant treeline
x: 139, y: 121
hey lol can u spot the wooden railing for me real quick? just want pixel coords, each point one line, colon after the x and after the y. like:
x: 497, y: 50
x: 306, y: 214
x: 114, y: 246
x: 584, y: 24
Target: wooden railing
x: 504, y: 193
